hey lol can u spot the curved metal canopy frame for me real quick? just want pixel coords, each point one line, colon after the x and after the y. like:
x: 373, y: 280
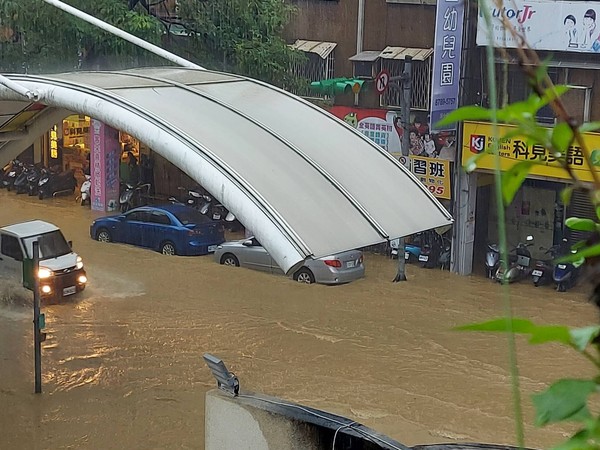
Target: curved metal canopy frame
x: 306, y: 183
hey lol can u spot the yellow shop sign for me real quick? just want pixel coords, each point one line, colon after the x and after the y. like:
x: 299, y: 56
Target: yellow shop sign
x: 477, y: 138
x: 434, y: 173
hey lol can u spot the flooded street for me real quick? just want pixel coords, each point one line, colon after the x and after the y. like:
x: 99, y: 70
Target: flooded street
x: 122, y: 365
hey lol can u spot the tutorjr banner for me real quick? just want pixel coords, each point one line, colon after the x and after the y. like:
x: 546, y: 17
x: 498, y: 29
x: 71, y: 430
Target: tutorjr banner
x: 546, y: 25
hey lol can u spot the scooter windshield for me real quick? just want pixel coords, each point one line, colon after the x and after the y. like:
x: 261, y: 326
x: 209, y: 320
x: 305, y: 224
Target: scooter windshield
x: 51, y: 245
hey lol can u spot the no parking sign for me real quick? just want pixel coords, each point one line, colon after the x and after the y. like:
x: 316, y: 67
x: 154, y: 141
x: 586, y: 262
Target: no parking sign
x: 382, y: 81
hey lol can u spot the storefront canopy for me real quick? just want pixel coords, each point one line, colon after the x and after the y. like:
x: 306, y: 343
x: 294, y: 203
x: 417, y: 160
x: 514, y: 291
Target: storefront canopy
x: 304, y: 182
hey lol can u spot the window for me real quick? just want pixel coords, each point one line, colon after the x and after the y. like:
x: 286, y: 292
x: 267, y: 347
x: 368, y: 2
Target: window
x: 577, y: 100
x: 140, y: 216
x: 10, y: 247
x: 319, y: 64
x: 50, y: 245
x: 392, y: 60
x: 160, y: 218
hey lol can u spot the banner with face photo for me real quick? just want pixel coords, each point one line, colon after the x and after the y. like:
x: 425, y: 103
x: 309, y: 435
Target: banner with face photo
x: 546, y: 25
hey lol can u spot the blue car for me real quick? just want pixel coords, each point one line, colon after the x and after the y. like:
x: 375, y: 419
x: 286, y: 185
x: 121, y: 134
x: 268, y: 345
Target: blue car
x: 169, y: 229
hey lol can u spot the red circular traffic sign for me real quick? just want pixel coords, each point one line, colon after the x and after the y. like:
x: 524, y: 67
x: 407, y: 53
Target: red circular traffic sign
x: 382, y: 80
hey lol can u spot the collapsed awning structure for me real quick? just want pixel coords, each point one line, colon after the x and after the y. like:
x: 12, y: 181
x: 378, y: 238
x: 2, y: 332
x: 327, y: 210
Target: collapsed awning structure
x: 306, y: 183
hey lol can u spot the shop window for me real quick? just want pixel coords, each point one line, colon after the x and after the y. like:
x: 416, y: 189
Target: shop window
x: 10, y: 247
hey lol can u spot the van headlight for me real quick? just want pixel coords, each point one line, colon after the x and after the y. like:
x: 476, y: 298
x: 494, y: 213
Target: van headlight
x: 79, y: 263
x: 44, y: 272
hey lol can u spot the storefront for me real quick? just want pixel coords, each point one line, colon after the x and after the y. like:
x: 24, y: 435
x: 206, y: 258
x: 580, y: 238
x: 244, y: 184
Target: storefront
x: 537, y: 208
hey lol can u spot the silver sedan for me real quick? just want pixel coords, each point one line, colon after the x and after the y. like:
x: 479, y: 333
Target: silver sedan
x: 335, y: 269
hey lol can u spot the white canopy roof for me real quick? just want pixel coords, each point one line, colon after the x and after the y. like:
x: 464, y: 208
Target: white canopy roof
x: 305, y: 183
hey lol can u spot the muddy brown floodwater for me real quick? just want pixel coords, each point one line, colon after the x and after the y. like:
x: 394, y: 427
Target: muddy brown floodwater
x: 122, y: 365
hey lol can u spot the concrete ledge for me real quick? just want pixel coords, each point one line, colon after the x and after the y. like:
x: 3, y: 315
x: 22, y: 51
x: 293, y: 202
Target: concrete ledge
x: 259, y: 422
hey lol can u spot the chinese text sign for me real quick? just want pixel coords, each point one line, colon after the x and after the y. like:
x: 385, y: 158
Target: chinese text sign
x: 446, y: 61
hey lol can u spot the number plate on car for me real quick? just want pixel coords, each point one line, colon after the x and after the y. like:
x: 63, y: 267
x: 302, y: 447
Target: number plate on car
x: 423, y: 258
x: 406, y: 255
x: 350, y: 264
x: 216, y: 216
x: 212, y: 248
x: 537, y: 273
x: 69, y: 290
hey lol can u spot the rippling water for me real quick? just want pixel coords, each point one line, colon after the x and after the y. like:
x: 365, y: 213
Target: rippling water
x: 122, y: 365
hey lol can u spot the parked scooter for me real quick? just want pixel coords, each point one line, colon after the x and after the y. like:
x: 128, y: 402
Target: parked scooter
x: 444, y: 260
x: 565, y: 274
x: 85, y: 191
x: 133, y: 196
x: 54, y: 183
x: 195, y: 197
x: 543, y: 268
x: 431, y: 250
x: 33, y: 179
x: 15, y: 170
x: 519, y: 267
x: 492, y: 261
x: 4, y: 174
x: 20, y: 184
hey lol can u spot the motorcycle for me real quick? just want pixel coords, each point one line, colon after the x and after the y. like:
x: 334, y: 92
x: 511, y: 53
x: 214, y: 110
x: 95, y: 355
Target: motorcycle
x: 431, y: 250
x: 133, y: 196
x: 543, y: 269
x: 20, y: 184
x: 519, y: 267
x: 444, y: 259
x: 54, y: 183
x: 84, y: 191
x: 195, y: 197
x: 33, y: 179
x: 565, y: 274
x: 492, y: 260
x: 15, y: 170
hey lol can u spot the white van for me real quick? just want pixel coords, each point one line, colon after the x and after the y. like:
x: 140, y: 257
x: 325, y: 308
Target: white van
x: 61, y: 270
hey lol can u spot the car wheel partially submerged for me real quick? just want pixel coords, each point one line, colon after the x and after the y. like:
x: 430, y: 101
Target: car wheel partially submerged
x: 168, y: 248
x: 230, y: 260
x: 304, y: 276
x: 103, y: 236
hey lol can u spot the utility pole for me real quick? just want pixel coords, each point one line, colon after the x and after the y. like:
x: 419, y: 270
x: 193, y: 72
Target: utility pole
x: 406, y: 98
x: 37, y: 323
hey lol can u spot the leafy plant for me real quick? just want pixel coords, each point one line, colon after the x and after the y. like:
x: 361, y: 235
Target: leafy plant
x: 566, y: 399
x: 36, y: 37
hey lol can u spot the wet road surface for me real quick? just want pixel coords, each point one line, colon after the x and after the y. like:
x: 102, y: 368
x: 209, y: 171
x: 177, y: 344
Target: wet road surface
x: 122, y: 365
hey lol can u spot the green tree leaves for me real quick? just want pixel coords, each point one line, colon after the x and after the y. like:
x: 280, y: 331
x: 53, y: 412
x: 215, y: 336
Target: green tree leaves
x: 46, y: 39
x: 564, y: 400
x: 245, y: 37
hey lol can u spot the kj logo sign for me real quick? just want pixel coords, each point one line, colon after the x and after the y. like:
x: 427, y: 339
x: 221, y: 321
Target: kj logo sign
x: 477, y: 143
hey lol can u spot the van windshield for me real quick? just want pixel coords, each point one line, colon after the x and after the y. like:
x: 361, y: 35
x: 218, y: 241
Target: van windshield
x: 52, y: 245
